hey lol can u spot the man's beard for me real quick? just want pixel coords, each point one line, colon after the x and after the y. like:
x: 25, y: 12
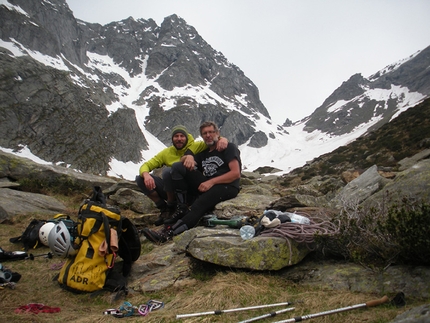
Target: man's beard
x: 212, y: 143
x: 179, y: 145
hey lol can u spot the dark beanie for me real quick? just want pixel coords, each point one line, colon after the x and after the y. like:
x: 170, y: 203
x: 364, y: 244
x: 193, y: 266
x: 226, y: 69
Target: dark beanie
x: 181, y: 129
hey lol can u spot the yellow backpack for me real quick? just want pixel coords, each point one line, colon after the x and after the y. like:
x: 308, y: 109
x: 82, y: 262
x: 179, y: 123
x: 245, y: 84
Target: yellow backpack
x: 101, y: 234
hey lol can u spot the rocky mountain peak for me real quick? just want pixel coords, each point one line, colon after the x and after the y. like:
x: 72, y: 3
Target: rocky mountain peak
x: 411, y: 72
x: 90, y: 95
x: 174, y: 27
x: 374, y: 100
x: 49, y: 27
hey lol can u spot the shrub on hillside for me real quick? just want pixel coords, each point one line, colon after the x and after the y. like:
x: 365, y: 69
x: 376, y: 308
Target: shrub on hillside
x: 378, y: 237
x: 409, y: 227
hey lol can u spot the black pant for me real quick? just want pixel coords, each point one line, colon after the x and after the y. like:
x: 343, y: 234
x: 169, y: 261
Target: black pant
x: 185, y: 180
x: 162, y: 185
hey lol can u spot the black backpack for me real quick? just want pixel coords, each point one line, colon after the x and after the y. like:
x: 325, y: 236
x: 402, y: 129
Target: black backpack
x: 30, y: 237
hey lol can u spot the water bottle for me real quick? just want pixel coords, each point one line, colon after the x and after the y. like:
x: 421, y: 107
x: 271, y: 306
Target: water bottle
x: 247, y: 232
x: 297, y: 218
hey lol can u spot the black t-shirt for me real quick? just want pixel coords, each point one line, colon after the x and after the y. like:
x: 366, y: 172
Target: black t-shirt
x: 215, y: 163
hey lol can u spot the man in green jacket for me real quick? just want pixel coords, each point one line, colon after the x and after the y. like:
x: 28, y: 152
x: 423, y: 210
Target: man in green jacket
x: 160, y: 190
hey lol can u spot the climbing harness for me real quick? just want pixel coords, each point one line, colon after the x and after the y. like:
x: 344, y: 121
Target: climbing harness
x: 127, y: 309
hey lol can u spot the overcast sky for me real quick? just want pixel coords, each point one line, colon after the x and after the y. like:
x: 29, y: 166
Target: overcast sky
x: 297, y: 52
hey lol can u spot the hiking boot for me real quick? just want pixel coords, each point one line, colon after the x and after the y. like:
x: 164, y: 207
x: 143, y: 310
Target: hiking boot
x: 165, y: 214
x: 160, y: 236
x: 179, y: 214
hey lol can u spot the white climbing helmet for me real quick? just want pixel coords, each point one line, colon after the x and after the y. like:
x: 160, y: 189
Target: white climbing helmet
x: 44, y: 232
x: 60, y: 241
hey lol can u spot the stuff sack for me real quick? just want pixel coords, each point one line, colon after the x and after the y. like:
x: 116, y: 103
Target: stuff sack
x: 99, y: 239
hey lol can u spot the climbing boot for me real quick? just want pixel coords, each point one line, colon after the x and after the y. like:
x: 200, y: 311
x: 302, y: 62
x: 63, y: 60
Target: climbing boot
x: 159, y: 236
x: 166, y: 212
x: 182, y: 207
x: 181, y: 211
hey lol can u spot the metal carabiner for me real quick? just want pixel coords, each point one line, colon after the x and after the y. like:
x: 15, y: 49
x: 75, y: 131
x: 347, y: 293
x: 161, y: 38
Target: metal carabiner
x: 155, y: 305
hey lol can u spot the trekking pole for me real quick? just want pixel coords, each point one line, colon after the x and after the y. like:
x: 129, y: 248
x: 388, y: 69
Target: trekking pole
x: 46, y: 255
x: 217, y: 312
x: 268, y: 315
x: 375, y: 302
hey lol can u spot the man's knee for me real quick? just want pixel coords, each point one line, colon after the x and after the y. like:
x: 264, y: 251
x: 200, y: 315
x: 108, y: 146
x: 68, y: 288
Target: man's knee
x: 166, y: 173
x: 178, y: 171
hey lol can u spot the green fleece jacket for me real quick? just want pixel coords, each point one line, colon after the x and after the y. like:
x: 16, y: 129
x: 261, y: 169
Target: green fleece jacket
x: 171, y: 155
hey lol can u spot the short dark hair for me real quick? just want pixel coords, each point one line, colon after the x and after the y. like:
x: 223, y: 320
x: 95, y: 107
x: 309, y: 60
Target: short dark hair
x: 208, y: 124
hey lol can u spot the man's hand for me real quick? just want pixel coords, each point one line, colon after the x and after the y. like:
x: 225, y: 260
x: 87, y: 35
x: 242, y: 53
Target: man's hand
x: 149, y: 181
x: 205, y: 186
x: 188, y: 162
x: 221, y: 144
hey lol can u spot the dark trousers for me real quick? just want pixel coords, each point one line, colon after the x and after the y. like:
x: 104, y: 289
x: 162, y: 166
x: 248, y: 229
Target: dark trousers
x: 162, y: 185
x: 185, y: 180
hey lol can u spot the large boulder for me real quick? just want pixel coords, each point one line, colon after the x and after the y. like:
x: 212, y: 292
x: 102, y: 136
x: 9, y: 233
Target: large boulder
x: 170, y: 265
x: 408, y: 162
x: 224, y: 246
x: 360, y: 188
x: 16, y: 202
x: 419, y: 314
x: 20, y: 169
x: 133, y: 200
x: 413, y: 182
x: 243, y: 204
x: 159, y: 269
x: 343, y: 275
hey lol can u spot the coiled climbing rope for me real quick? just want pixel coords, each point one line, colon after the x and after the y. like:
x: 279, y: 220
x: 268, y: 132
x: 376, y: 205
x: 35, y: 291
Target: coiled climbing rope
x: 302, y: 233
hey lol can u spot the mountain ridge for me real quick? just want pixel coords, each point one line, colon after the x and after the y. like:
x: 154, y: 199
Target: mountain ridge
x: 136, y: 80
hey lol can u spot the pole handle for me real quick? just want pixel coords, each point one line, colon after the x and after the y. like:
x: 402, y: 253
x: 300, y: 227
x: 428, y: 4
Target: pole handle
x: 377, y: 302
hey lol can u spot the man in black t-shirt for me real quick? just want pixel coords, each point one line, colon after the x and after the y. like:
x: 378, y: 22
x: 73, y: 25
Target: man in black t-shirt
x: 214, y: 178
